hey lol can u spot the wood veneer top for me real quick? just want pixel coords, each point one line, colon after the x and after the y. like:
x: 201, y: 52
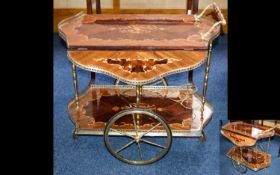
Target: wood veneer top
x: 244, y: 134
x: 136, y: 31
x: 138, y: 67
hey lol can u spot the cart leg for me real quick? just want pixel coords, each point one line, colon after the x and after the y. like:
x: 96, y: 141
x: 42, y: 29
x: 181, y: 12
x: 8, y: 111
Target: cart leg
x: 221, y: 124
x: 75, y: 84
x: 74, y: 134
x: 202, y: 138
x: 117, y: 81
x: 268, y: 145
x: 205, y: 84
x: 190, y: 77
x: 138, y: 94
x: 92, y: 78
x: 138, y: 98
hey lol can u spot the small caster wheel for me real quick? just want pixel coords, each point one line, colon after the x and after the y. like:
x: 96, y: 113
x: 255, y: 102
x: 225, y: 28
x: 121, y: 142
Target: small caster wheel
x: 202, y: 138
x: 239, y: 167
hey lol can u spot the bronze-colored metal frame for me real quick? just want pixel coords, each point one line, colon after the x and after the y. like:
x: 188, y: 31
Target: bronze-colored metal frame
x: 191, y: 5
x: 139, y: 87
x: 201, y: 133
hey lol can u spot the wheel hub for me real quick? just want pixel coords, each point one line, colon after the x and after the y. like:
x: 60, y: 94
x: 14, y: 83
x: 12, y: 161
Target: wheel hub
x: 137, y: 138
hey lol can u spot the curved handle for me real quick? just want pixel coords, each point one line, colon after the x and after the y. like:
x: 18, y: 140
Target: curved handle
x: 217, y: 10
x: 219, y: 14
x: 220, y: 17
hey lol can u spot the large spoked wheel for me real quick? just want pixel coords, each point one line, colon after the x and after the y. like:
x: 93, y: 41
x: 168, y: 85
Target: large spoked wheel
x: 136, y: 144
x: 239, y: 167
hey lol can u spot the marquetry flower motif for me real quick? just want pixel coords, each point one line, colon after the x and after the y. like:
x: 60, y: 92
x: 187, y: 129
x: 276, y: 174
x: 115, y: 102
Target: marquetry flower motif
x: 137, y: 65
x: 138, y: 29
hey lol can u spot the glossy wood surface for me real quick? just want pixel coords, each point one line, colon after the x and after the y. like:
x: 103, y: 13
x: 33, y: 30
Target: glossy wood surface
x: 250, y: 157
x: 97, y: 106
x: 244, y: 134
x: 137, y: 31
x: 138, y: 66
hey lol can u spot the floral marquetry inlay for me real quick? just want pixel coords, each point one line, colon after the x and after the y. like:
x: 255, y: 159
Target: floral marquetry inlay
x: 138, y: 65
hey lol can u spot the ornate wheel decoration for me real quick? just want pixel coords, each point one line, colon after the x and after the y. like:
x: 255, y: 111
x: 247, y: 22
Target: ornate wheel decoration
x: 135, y: 145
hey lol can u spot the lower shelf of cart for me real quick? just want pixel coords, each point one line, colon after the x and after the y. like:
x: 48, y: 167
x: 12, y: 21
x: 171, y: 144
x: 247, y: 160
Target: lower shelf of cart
x: 179, y: 106
x: 252, y: 158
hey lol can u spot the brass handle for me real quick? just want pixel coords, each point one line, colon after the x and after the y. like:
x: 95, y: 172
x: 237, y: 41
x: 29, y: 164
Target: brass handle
x: 220, y: 17
x: 219, y: 14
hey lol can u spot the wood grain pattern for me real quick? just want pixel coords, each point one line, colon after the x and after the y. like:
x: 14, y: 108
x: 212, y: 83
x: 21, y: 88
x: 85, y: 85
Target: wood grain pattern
x: 97, y: 106
x: 238, y: 139
x: 138, y: 31
x: 251, y: 158
x: 244, y: 134
x: 137, y: 67
x: 60, y: 14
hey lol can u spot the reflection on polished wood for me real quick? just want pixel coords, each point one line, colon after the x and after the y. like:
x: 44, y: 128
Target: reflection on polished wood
x: 251, y: 158
x: 62, y: 13
x: 138, y: 66
x: 137, y: 31
x: 244, y: 134
x: 98, y: 105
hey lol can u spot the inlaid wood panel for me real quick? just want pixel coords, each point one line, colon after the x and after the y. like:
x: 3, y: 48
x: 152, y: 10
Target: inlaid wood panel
x: 138, y: 67
x: 138, y: 31
x: 60, y: 14
x: 180, y: 107
x: 250, y: 157
x: 244, y: 134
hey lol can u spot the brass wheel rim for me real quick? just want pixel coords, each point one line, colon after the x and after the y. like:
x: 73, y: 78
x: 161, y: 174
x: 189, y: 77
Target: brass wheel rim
x: 239, y: 166
x: 138, y: 140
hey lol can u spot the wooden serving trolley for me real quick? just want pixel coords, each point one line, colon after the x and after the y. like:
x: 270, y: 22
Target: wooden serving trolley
x: 139, y: 50
x: 245, y: 136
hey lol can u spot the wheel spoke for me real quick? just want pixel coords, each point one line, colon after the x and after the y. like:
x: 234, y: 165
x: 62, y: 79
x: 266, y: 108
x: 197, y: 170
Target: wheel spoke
x: 134, y: 123
x: 140, y: 151
x: 122, y: 133
x: 126, y: 139
x: 150, y: 130
x: 152, y: 143
x: 125, y: 146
